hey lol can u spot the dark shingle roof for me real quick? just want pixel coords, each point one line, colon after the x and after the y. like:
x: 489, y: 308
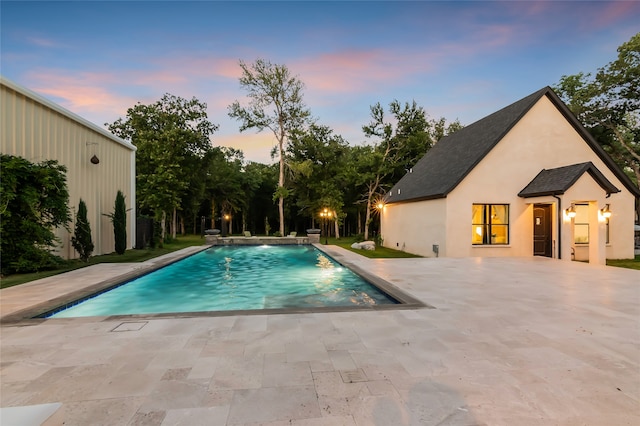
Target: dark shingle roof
x: 454, y: 156
x: 557, y: 181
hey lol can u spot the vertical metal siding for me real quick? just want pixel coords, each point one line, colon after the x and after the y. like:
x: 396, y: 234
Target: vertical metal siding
x: 36, y: 132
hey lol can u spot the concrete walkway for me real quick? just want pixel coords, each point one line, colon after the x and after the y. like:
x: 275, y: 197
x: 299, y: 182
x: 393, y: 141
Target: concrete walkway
x: 527, y: 341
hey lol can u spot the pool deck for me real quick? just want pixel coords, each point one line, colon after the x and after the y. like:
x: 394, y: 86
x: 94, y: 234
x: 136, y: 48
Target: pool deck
x: 511, y: 341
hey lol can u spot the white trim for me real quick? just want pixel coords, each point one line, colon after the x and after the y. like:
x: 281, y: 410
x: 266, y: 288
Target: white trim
x: 133, y: 216
x: 75, y: 117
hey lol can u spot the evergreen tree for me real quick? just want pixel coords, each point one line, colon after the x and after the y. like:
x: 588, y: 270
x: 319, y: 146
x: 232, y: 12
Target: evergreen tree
x: 120, y: 223
x: 119, y: 220
x: 81, y: 239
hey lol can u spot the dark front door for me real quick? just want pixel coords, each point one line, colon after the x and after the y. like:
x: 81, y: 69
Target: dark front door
x: 542, y: 230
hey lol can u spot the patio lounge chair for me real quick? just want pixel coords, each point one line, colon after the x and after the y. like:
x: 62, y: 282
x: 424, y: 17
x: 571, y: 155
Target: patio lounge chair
x: 293, y: 233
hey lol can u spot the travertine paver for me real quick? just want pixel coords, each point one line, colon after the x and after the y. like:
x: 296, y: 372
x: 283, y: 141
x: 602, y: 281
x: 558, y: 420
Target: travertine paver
x: 527, y: 341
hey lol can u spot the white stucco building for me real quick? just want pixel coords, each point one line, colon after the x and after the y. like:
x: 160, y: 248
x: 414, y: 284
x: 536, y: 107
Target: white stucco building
x: 37, y: 129
x: 525, y: 180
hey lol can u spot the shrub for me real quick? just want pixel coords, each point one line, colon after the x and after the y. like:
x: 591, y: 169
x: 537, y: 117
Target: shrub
x: 33, y: 202
x: 119, y: 220
x: 81, y: 239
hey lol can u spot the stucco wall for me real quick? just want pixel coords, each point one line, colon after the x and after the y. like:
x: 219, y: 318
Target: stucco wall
x: 542, y: 139
x: 33, y: 128
x: 415, y: 227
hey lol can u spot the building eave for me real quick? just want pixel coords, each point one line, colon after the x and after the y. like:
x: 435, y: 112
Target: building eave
x: 65, y: 112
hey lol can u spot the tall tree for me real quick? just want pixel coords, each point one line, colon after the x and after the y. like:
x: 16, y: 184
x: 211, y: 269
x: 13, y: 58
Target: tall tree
x: 33, y: 202
x: 275, y: 103
x: 171, y: 134
x: 608, y: 104
x: 226, y: 186
x: 318, y: 161
x: 401, y: 142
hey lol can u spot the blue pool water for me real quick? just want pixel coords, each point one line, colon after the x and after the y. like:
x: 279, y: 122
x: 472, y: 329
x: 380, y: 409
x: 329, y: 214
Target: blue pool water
x: 236, y: 278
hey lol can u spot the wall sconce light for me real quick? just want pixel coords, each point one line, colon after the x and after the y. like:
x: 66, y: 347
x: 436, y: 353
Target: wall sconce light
x: 571, y: 211
x: 606, y: 213
x: 94, y: 159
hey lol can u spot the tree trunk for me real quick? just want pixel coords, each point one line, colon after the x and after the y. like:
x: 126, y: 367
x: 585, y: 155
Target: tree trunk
x: 336, y: 225
x: 174, y: 223
x: 367, y: 218
x: 213, y: 214
x: 163, y: 225
x: 244, y: 221
x: 281, y: 180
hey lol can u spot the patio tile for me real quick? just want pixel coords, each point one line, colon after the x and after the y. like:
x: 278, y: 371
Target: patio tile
x: 271, y: 404
x: 171, y: 394
x: 152, y: 418
x: 278, y: 372
x: 128, y: 383
x: 306, y: 351
x: 205, y: 416
x: 238, y: 373
x: 510, y: 341
x: 101, y: 412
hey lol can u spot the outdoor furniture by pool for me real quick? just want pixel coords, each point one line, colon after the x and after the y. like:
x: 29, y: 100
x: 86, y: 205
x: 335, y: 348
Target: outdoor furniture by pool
x: 257, y: 240
x: 247, y: 233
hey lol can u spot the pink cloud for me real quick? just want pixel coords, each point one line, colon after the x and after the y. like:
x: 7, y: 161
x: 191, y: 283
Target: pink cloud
x: 349, y: 71
x: 496, y: 35
x: 86, y: 94
x: 42, y: 42
x: 201, y: 66
x: 612, y: 12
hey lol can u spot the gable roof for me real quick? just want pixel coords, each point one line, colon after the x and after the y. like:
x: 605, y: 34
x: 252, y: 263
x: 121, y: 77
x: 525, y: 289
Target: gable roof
x: 559, y: 180
x: 445, y: 165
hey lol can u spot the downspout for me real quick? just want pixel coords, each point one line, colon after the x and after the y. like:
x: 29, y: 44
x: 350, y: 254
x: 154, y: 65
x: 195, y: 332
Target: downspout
x: 559, y: 225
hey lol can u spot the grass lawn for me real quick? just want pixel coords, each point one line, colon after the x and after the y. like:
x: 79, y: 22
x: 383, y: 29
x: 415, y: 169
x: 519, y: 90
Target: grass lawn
x: 130, y: 256
x: 379, y: 252
x: 625, y: 263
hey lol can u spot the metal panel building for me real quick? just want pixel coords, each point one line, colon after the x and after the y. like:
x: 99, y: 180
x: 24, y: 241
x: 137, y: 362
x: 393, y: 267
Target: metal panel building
x: 37, y: 129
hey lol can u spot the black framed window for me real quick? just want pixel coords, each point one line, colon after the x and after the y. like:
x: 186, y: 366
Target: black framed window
x: 490, y: 224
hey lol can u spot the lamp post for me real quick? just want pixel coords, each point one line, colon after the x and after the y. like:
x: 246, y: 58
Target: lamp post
x: 380, y: 208
x: 325, y: 215
x: 225, y: 225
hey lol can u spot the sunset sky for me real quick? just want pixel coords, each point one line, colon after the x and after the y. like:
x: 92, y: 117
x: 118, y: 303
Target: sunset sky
x: 457, y: 59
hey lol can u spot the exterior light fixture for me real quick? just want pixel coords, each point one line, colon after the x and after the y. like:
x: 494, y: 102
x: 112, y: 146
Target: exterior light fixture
x: 606, y: 213
x: 380, y: 206
x: 94, y: 159
x: 325, y: 216
x: 225, y: 219
x: 571, y: 211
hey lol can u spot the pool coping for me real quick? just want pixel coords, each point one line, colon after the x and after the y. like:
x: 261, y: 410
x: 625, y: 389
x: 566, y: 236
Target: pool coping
x: 29, y: 315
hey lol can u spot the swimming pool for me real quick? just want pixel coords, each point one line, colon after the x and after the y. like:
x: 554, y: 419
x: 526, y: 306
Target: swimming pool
x: 232, y: 278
